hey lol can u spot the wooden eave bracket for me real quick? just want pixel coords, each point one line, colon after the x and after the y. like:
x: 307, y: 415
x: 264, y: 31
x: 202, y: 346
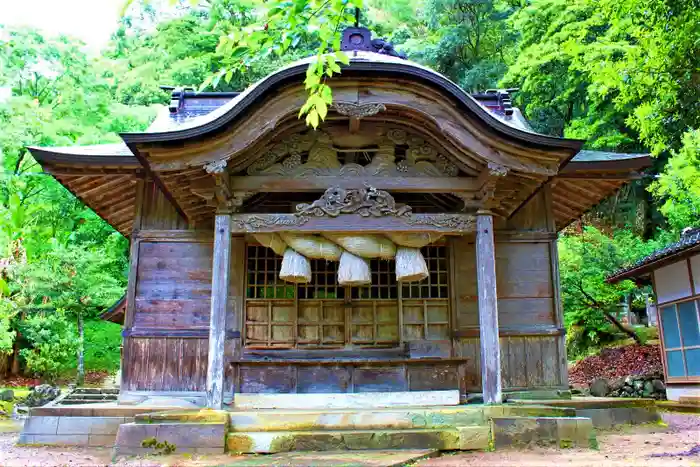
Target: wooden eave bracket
x: 221, y: 195
x: 486, y: 197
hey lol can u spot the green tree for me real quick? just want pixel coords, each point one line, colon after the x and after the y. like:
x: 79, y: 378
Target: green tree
x: 590, y: 303
x: 76, y: 281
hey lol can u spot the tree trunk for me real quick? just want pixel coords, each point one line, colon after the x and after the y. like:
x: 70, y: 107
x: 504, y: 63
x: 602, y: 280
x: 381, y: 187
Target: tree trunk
x: 14, y: 371
x: 81, y: 351
x: 619, y: 326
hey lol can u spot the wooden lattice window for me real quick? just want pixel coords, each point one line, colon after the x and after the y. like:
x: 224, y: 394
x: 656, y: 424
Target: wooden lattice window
x: 426, y: 314
x: 323, y: 314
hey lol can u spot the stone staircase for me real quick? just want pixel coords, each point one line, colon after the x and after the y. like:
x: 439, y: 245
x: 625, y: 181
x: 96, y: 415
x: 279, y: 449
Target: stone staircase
x: 88, y: 396
x: 445, y: 428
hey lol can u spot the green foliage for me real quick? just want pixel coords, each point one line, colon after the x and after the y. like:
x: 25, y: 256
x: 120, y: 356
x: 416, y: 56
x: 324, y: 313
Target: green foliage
x: 52, y: 344
x: 679, y: 185
x: 102, y: 345
x: 585, y: 260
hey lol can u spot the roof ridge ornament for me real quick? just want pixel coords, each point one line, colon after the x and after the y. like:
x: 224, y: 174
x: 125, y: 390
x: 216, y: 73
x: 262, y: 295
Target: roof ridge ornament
x: 360, y: 39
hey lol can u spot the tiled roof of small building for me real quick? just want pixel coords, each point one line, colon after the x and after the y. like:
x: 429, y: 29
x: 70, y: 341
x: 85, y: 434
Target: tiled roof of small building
x: 689, y: 242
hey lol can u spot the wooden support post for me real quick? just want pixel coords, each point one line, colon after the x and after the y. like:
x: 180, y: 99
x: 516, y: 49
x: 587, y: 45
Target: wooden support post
x: 488, y: 309
x: 219, y: 304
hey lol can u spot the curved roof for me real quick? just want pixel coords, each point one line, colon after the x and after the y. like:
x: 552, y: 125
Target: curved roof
x: 366, y: 63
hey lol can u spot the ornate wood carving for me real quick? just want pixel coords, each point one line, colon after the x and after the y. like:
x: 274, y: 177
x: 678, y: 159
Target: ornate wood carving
x: 366, y: 202
x: 421, y: 158
x: 353, y: 210
x: 448, y: 224
x: 220, y: 194
x: 295, y: 145
x: 358, y: 110
x: 452, y: 222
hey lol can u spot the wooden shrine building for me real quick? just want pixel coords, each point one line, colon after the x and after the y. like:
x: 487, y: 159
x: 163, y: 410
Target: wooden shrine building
x: 403, y: 150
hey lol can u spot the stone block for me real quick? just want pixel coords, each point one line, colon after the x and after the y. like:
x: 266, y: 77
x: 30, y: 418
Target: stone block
x: 514, y: 431
x: 601, y: 418
x: 474, y: 437
x: 106, y: 425
x: 192, y: 435
x: 101, y: 440
x: 41, y: 425
x: 576, y: 432
x: 546, y: 432
x: 317, y: 442
x: 25, y: 439
x: 75, y: 425
x: 358, y: 441
x: 186, y: 416
x: 131, y: 435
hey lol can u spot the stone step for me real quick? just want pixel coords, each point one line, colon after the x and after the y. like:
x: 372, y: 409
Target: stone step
x: 563, y: 432
x: 340, y: 420
x: 689, y: 400
x: 363, y: 400
x: 94, y: 397
x: 112, y: 391
x: 459, y: 438
x: 357, y: 419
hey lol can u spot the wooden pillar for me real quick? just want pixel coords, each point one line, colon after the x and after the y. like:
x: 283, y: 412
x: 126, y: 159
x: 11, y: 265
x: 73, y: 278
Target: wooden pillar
x: 488, y: 309
x: 219, y: 303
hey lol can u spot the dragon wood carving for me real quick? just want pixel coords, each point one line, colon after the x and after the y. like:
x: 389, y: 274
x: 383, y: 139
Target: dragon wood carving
x: 366, y: 202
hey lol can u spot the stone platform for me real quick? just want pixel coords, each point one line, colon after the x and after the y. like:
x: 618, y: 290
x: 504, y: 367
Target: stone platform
x: 606, y: 412
x: 555, y: 422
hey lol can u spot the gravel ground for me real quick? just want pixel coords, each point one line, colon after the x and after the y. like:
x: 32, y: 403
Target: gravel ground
x: 649, y: 446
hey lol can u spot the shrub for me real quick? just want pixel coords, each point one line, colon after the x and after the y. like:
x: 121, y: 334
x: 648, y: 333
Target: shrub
x: 102, y: 343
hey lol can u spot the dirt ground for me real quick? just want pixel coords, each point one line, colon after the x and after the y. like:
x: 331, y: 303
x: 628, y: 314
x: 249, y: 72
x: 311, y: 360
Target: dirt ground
x: 677, y: 444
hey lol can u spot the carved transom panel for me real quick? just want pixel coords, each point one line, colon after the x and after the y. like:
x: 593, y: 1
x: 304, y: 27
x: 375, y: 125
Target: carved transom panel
x: 398, y: 153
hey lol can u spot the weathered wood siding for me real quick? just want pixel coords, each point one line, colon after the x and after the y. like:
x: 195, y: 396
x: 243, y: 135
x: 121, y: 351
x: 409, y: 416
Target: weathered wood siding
x: 157, y: 212
x: 170, y: 312
x: 167, y: 321
x: 165, y: 364
x: 530, y: 322
x: 340, y: 377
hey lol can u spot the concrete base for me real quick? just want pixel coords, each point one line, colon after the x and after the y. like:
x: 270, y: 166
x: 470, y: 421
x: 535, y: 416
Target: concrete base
x: 366, y: 400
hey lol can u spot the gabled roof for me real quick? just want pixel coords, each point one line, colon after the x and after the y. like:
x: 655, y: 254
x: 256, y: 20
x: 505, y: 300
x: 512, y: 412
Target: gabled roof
x: 688, y: 245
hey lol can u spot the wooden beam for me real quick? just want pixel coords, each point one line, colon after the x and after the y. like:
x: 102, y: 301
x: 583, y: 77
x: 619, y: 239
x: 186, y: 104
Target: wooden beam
x: 219, y: 303
x: 276, y: 184
x: 455, y: 224
x: 593, y: 177
x: 488, y: 309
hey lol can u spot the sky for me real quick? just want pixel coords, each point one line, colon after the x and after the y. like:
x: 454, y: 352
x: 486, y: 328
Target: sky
x: 92, y: 21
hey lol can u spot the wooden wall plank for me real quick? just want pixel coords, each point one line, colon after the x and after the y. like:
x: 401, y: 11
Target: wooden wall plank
x: 166, y: 364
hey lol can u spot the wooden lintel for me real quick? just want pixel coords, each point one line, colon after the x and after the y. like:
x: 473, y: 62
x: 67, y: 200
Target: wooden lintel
x: 626, y: 177
x: 277, y: 184
x: 454, y: 224
x: 95, y: 173
x: 202, y: 236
